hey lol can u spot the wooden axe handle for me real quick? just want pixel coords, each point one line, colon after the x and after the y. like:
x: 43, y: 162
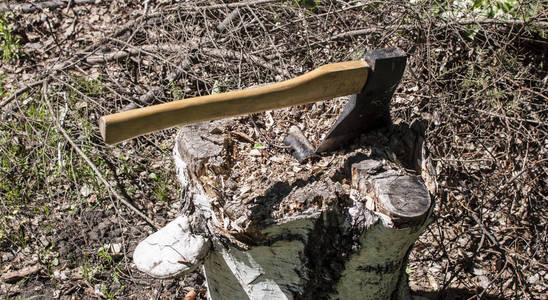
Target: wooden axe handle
x: 323, y: 83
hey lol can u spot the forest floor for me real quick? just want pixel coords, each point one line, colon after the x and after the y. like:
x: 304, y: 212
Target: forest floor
x: 478, y: 77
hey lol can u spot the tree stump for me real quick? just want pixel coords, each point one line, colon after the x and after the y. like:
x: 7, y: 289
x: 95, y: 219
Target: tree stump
x: 265, y: 226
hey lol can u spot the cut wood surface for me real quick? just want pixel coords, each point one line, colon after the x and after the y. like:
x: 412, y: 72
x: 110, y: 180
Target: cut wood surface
x: 325, y: 82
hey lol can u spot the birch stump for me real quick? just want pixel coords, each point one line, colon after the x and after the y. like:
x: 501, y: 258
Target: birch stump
x: 339, y: 226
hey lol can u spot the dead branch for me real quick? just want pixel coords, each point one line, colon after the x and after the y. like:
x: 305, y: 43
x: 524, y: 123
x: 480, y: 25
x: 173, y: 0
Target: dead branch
x: 91, y: 164
x: 230, y: 5
x: 146, y: 49
x: 149, y: 96
x: 32, y: 7
x: 462, y: 22
x: 226, y: 53
x: 70, y: 63
x: 19, y: 92
x: 13, y: 276
x: 493, y: 114
x: 230, y: 18
x: 488, y: 21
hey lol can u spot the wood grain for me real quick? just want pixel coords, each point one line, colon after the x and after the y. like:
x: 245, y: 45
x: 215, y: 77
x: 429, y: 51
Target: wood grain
x: 323, y: 83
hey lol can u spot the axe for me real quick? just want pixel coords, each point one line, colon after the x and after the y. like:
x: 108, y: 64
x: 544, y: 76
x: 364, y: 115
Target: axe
x: 372, y: 82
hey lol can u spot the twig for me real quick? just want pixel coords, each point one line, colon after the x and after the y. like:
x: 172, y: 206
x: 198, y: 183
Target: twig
x: 145, y: 4
x: 498, y: 246
x: 526, y: 88
x: 191, y: 45
x: 68, y: 64
x: 479, y: 21
x: 151, y: 49
x: 32, y: 7
x: 370, y: 30
x: 250, y: 140
x: 485, y: 231
x: 19, y: 92
x: 230, y: 18
x: 224, y: 53
x: 269, y: 37
x: 91, y: 164
x: 155, y: 91
x: 106, y: 57
x: 86, y: 52
x: 230, y: 5
x: 19, y: 274
x: 133, y: 50
x: 511, y: 118
x: 439, y: 25
x: 487, y: 21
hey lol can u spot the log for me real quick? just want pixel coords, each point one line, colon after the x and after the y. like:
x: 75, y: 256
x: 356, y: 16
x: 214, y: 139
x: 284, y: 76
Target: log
x: 339, y: 227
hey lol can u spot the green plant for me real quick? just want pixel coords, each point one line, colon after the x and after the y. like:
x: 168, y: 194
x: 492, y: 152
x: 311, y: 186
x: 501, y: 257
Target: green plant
x: 87, y: 88
x: 176, y: 91
x: 161, y: 187
x: 109, y: 294
x: 105, y: 255
x: 2, y: 89
x: 504, y: 9
x: 9, y: 43
x: 496, y: 9
x: 309, y: 4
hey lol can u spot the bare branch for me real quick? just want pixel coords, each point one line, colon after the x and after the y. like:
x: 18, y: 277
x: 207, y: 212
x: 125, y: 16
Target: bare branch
x: 32, y: 7
x: 91, y: 164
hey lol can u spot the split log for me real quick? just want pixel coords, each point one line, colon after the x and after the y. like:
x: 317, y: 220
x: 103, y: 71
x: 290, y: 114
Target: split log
x: 340, y: 228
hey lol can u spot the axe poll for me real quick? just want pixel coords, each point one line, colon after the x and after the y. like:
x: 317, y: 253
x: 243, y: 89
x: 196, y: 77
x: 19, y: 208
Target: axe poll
x: 371, y: 82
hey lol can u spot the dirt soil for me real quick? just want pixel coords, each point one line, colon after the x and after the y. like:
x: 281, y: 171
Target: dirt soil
x: 66, y: 231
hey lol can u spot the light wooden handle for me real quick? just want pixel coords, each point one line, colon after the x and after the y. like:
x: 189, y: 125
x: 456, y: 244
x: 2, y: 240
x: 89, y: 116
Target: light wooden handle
x: 323, y: 83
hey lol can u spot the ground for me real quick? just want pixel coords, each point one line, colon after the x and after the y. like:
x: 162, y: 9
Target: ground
x: 476, y: 73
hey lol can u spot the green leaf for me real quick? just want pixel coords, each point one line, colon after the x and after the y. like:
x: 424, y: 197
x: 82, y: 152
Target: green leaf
x: 259, y: 146
x: 216, y: 88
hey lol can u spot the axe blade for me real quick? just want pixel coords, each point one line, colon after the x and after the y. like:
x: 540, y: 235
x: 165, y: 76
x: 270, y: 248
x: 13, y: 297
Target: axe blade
x: 371, y: 108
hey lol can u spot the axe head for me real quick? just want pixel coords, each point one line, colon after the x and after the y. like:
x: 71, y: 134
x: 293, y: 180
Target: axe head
x: 370, y: 108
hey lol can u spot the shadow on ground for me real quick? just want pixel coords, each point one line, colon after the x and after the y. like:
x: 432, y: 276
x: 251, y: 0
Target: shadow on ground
x: 455, y: 294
